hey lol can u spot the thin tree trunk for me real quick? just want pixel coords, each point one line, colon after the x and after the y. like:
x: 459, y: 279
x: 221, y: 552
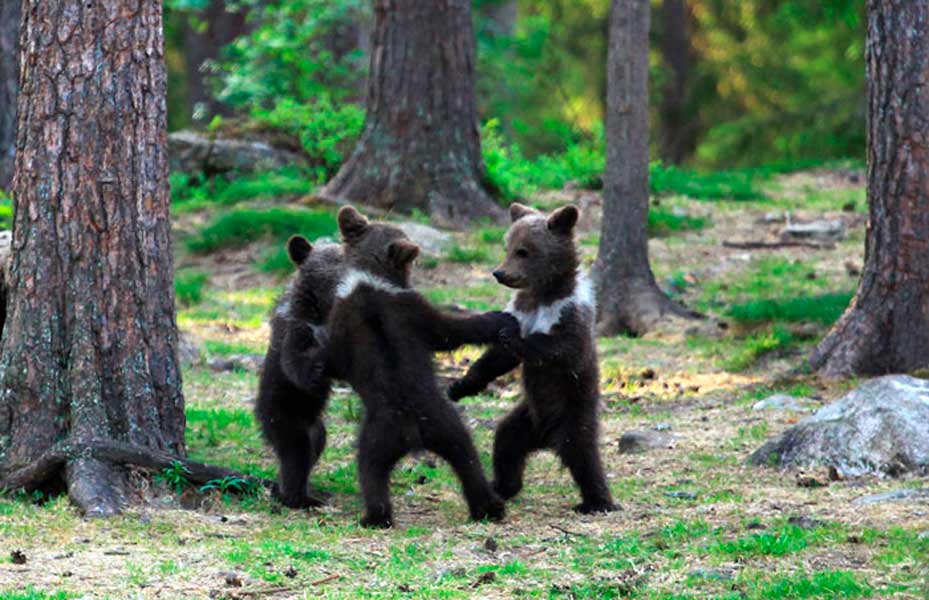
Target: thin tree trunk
x: 221, y: 27
x: 886, y: 328
x: 628, y: 298
x: 678, y: 132
x: 9, y: 82
x: 421, y: 148
x: 89, y: 350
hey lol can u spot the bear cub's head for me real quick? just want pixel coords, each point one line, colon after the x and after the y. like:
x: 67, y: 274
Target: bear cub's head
x: 319, y: 270
x: 540, y: 251
x: 376, y: 248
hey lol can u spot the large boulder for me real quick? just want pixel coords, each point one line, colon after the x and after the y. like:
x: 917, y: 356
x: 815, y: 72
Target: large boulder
x: 881, y: 428
x: 192, y: 152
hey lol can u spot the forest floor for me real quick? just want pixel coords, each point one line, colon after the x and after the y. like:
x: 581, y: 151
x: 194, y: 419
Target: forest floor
x: 696, y: 521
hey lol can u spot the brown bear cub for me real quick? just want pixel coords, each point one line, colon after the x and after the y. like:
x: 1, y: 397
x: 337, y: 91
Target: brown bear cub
x: 294, y: 387
x: 382, y: 336
x: 556, y: 311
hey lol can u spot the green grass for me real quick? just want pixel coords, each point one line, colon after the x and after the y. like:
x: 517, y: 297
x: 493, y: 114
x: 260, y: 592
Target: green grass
x: 822, y: 308
x: 757, y: 345
x: 663, y: 222
x: 188, y: 286
x: 823, y: 584
x: 717, y: 185
x: 781, y: 541
x: 31, y: 593
x: 6, y: 211
x: 468, y: 254
x: 241, y: 226
x: 224, y: 348
x: 196, y: 192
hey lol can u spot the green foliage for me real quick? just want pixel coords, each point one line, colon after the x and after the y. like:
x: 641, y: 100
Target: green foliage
x: 31, y: 593
x: 232, y: 484
x: 188, y: 286
x: 757, y: 345
x: 788, y: 539
x: 664, y: 222
x: 6, y: 211
x: 823, y: 308
x: 822, y: 584
x: 717, y: 185
x: 174, y: 476
x: 198, y: 192
x: 242, y: 226
x: 468, y: 254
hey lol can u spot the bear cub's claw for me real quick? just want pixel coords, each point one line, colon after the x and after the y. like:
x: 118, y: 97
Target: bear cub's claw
x: 592, y: 508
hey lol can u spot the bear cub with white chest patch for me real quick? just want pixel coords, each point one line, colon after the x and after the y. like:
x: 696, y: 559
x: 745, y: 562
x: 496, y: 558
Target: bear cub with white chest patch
x: 382, y: 337
x: 294, y: 387
x: 557, y: 349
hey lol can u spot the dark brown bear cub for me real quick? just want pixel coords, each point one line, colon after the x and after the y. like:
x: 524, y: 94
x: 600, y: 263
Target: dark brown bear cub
x: 382, y: 336
x: 556, y: 310
x: 294, y: 387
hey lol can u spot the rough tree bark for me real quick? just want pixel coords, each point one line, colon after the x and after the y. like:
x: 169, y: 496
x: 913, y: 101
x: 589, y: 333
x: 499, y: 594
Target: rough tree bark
x: 421, y: 146
x: 629, y: 300
x: 89, y: 377
x: 678, y: 130
x: 202, y: 44
x: 9, y: 82
x: 886, y: 328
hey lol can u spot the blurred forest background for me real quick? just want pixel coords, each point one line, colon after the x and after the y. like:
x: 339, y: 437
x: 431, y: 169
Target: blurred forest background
x: 733, y: 84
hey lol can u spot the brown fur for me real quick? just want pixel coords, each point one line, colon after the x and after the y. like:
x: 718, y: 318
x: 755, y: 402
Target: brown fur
x: 382, y: 338
x: 558, y: 353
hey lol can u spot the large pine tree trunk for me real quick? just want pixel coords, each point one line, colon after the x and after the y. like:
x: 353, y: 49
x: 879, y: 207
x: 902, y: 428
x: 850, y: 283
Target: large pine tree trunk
x: 628, y: 298
x: 421, y: 146
x: 886, y: 328
x: 9, y: 80
x: 89, y: 350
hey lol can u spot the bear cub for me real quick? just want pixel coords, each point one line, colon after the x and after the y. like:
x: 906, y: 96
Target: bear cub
x: 294, y: 387
x: 556, y: 310
x: 382, y: 336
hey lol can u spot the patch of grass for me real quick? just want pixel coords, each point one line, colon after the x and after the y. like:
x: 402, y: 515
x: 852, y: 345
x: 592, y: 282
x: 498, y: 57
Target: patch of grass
x: 241, y: 226
x: 468, y: 254
x: 245, y: 309
x: 31, y: 593
x: 788, y: 539
x: 224, y: 348
x: 198, y: 192
x: 664, y: 222
x: 717, y: 185
x: 822, y: 584
x: 483, y: 297
x: 823, y: 308
x: 276, y: 261
x: 6, y: 211
x: 491, y: 235
x: 757, y: 345
x: 188, y: 286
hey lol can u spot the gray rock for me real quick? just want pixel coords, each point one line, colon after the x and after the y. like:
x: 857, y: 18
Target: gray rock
x: 826, y: 229
x: 881, y: 428
x: 430, y: 239
x: 643, y: 441
x: 918, y: 494
x: 237, y: 362
x: 194, y: 153
x: 780, y: 402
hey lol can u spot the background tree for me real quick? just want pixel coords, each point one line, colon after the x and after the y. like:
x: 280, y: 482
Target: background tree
x: 678, y: 121
x: 89, y: 377
x: 628, y: 297
x: 420, y: 148
x: 9, y: 80
x: 886, y: 329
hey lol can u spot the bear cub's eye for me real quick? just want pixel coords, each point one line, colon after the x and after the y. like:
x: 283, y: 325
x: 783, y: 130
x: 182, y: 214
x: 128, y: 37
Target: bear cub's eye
x: 522, y: 253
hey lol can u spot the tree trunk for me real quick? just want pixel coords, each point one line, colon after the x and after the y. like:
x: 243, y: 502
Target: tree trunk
x: 628, y: 298
x: 220, y: 27
x: 89, y: 351
x: 678, y: 129
x: 421, y: 148
x: 500, y: 17
x: 886, y: 328
x: 9, y: 82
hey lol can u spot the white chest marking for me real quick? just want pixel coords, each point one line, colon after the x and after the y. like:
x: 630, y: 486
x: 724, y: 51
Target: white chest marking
x: 355, y: 278
x: 545, y: 318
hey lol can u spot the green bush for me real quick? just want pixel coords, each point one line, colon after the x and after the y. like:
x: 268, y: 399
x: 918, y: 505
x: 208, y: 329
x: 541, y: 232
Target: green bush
x: 188, y: 286
x: 663, y: 222
x: 196, y: 192
x: 758, y: 345
x: 242, y: 226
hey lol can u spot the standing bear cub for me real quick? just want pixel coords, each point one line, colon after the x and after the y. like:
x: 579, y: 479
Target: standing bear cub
x: 294, y: 388
x: 382, y: 337
x: 555, y: 307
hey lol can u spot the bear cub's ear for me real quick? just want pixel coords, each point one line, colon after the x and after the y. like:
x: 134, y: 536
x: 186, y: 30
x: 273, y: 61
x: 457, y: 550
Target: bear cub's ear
x: 352, y: 224
x: 402, y: 252
x: 563, y: 220
x: 518, y: 211
x: 298, y: 249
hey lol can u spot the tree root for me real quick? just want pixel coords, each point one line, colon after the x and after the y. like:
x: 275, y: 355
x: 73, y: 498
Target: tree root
x: 93, y: 483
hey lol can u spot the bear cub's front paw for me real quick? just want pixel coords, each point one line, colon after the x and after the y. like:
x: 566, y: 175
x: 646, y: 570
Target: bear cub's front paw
x: 592, y: 508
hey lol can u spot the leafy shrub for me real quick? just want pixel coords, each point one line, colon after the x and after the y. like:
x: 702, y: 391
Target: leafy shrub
x: 241, y: 226
x: 758, y: 345
x: 197, y: 192
x: 188, y: 286
x: 663, y: 222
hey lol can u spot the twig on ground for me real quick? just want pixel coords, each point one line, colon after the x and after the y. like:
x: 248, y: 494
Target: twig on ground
x: 326, y: 579
x: 776, y: 245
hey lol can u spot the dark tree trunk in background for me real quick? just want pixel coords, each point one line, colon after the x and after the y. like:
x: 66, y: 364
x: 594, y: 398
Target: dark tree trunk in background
x: 89, y: 351
x: 9, y: 82
x: 678, y: 131
x: 500, y: 17
x: 203, y: 44
x: 886, y: 328
x: 628, y: 298
x: 421, y: 146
